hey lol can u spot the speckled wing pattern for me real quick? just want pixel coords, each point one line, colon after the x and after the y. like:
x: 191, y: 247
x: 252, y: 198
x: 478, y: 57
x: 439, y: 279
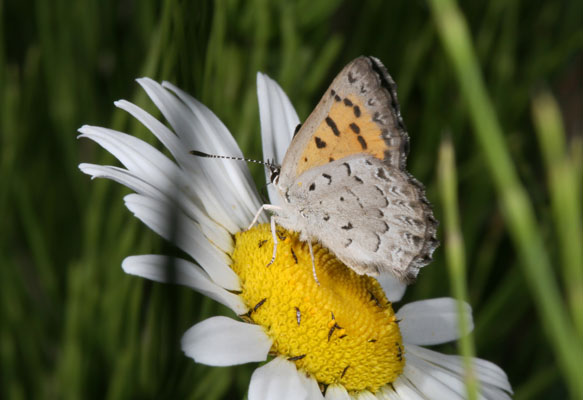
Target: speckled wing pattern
x: 344, y: 180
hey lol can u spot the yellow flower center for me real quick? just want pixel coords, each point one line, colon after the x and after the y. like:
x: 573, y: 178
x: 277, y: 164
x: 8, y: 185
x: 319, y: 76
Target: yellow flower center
x: 343, y: 331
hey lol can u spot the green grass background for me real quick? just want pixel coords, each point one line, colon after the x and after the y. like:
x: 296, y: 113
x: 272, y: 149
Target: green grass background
x: 491, y: 93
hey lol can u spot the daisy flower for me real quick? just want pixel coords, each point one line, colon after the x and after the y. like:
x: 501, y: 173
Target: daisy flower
x: 340, y: 339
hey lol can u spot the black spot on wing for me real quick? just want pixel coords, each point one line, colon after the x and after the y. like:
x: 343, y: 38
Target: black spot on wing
x: 362, y: 142
x: 355, y: 128
x: 356, y: 110
x: 312, y: 187
x: 381, y: 174
x: 348, y: 170
x: 378, y: 246
x: 320, y: 143
x: 328, y: 177
x: 377, y: 118
x: 332, y: 126
x: 382, y: 193
x: 347, y: 227
x: 386, y: 227
x: 347, y: 102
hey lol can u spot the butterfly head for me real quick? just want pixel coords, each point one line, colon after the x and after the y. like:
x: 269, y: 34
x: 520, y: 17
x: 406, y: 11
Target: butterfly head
x: 274, y: 171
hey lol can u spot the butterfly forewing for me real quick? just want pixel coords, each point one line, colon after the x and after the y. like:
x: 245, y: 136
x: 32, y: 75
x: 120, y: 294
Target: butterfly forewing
x: 358, y: 113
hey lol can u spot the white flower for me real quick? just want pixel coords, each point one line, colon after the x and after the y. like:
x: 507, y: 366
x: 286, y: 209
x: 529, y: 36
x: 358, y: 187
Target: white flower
x: 203, y: 206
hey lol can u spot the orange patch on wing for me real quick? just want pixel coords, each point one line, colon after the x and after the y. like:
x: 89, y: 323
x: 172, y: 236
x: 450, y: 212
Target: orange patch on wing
x: 348, y: 129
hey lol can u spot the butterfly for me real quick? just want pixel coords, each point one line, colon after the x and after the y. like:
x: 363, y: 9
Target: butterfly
x: 344, y: 183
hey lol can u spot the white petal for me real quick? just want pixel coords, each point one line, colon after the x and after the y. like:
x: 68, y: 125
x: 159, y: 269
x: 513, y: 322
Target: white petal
x: 431, y: 388
x: 365, y: 395
x: 225, y: 141
x: 222, y: 341
x: 278, y: 122
x: 388, y: 393
x: 199, y: 129
x: 135, y: 154
x: 193, y: 136
x: 337, y: 392
x: 394, y: 289
x: 492, y: 393
x: 277, y: 380
x: 311, y: 386
x: 152, y: 168
x: 158, y: 268
x: 405, y: 390
x: 159, y: 216
x: 433, y: 321
x: 430, y: 379
x: 485, y: 371
x: 123, y: 176
x: 197, y: 185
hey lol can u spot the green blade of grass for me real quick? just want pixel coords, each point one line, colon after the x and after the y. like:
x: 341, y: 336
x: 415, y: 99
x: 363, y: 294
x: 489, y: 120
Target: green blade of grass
x: 456, y: 259
x: 514, y: 201
x: 565, y: 200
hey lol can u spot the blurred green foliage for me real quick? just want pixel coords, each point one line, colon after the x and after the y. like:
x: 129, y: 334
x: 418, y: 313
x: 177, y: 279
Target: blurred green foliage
x: 507, y: 91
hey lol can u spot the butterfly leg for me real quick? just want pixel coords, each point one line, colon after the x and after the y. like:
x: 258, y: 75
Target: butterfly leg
x: 313, y: 264
x: 267, y: 207
x: 274, y: 235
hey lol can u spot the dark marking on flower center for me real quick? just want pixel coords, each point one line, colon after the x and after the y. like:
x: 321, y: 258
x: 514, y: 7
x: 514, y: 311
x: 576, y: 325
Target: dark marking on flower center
x: 373, y: 297
x: 344, y: 371
x: 294, y: 256
x: 259, y: 304
x: 334, y: 327
x: 296, y: 358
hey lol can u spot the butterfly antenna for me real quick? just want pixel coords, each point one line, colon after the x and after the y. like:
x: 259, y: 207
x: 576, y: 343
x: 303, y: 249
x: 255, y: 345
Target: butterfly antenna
x: 267, y: 163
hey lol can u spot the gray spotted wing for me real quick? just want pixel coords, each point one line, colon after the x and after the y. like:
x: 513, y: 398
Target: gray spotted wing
x: 373, y: 217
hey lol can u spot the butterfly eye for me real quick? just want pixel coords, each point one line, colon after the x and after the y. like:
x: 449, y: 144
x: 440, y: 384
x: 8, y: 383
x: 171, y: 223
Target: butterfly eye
x: 274, y: 175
